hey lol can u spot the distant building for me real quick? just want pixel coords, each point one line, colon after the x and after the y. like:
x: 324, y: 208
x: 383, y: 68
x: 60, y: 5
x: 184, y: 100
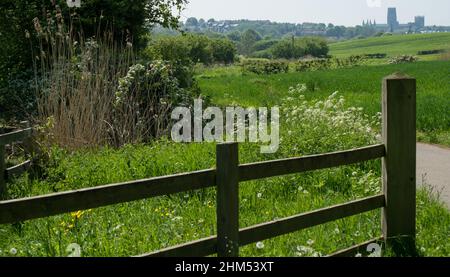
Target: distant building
x: 392, y: 19
x: 419, y: 22
x: 394, y: 26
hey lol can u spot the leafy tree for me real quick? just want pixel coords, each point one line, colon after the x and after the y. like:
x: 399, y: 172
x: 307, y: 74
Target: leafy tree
x: 223, y: 50
x: 234, y: 36
x: 248, y: 40
x: 191, y: 22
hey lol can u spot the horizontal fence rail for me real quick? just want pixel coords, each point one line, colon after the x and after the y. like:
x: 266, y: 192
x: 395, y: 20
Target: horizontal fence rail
x: 295, y: 223
x: 7, y: 174
x: 357, y: 249
x: 263, y: 170
x: 15, y: 136
x: 17, y: 170
x: 12, y: 211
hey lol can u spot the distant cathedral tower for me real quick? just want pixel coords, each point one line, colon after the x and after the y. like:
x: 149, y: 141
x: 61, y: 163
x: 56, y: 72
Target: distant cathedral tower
x: 392, y: 19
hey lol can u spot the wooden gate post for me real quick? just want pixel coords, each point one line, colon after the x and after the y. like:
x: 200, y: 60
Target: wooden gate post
x: 227, y: 180
x: 399, y: 164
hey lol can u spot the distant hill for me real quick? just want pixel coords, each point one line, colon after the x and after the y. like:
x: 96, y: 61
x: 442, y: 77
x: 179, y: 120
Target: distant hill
x: 392, y: 45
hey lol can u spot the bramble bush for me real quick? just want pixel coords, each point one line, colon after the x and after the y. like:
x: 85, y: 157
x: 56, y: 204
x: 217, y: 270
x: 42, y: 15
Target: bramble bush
x: 261, y: 66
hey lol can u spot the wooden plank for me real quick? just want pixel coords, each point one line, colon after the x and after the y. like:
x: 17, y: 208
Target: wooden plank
x: 357, y: 249
x: 298, y: 222
x: 297, y: 165
x: 48, y: 205
x: 2, y: 169
x: 227, y: 180
x: 199, y: 248
x: 17, y: 170
x: 399, y: 165
x: 15, y: 136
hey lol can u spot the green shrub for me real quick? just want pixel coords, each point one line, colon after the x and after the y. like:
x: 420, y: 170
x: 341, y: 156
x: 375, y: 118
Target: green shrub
x: 297, y: 48
x: 430, y: 52
x: 321, y: 64
x: 223, y: 50
x: 265, y: 66
x: 375, y: 56
x: 192, y: 49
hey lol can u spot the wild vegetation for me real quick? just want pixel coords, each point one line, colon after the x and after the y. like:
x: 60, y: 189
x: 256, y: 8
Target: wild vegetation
x: 310, y: 126
x: 101, y: 101
x: 20, y: 42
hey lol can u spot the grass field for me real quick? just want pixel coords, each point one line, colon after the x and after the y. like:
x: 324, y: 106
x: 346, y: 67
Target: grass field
x: 392, y: 45
x: 360, y: 85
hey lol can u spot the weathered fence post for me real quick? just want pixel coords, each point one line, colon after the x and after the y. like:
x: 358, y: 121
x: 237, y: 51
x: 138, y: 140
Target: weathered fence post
x: 2, y: 168
x: 399, y: 164
x: 227, y: 181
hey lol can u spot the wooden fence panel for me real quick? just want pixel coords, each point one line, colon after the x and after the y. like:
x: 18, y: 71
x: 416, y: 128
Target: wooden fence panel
x: 297, y: 165
x: 53, y: 204
x: 295, y: 223
x: 15, y: 136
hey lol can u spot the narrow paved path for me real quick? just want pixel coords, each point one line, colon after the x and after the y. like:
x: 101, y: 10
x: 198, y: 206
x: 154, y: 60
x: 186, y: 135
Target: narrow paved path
x: 433, y: 168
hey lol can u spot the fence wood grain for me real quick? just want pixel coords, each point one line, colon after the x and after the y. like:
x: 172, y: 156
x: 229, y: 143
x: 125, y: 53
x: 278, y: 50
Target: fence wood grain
x: 48, y: 205
x: 199, y: 248
x: 399, y: 164
x: 15, y: 136
x: 227, y: 181
x: 17, y: 170
x: 357, y: 249
x: 295, y: 223
x: 297, y: 165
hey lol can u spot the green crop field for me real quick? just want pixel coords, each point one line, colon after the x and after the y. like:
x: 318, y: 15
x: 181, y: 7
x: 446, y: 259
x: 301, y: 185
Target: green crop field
x: 392, y: 45
x: 361, y: 86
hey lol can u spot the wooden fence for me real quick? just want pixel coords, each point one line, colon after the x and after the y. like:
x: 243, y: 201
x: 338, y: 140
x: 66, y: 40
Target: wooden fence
x: 398, y: 153
x: 23, y: 135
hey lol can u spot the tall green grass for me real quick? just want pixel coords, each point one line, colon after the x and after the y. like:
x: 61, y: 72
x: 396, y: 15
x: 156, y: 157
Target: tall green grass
x: 142, y: 226
x: 361, y: 86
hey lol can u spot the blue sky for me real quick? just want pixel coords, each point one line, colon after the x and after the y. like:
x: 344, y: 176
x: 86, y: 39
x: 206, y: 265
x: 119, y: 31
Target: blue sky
x: 341, y: 12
